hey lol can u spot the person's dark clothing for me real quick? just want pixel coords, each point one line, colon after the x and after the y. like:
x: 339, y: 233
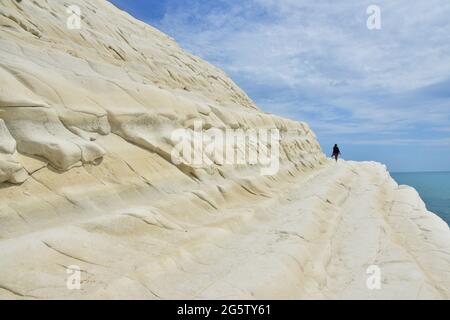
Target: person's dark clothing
x: 336, y: 152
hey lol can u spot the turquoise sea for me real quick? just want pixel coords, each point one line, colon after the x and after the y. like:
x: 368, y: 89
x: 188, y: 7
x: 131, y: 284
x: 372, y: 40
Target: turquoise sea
x: 433, y: 187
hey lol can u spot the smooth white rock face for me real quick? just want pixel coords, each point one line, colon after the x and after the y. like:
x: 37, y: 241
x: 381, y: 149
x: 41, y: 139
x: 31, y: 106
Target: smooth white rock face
x: 86, y: 179
x: 10, y: 169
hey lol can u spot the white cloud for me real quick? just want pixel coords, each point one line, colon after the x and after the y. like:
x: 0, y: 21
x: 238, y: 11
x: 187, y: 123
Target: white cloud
x: 318, y: 43
x: 318, y: 60
x: 397, y: 142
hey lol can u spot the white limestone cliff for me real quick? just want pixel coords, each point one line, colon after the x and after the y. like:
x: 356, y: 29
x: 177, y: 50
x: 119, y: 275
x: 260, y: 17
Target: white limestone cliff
x: 87, y: 179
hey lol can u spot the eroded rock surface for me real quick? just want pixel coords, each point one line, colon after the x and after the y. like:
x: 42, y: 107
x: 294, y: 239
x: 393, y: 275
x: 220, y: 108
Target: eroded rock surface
x: 87, y: 179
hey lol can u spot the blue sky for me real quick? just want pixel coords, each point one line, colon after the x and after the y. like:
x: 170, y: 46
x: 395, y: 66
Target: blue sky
x: 382, y: 95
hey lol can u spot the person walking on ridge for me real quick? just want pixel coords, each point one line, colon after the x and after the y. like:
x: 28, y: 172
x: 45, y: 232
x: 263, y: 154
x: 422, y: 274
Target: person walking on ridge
x: 336, y: 152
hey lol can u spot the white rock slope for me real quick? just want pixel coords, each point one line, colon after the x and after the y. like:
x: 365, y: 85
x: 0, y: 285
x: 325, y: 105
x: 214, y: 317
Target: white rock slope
x: 86, y: 179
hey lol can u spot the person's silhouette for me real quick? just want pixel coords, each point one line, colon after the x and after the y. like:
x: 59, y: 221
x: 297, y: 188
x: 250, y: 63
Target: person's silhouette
x: 336, y: 152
